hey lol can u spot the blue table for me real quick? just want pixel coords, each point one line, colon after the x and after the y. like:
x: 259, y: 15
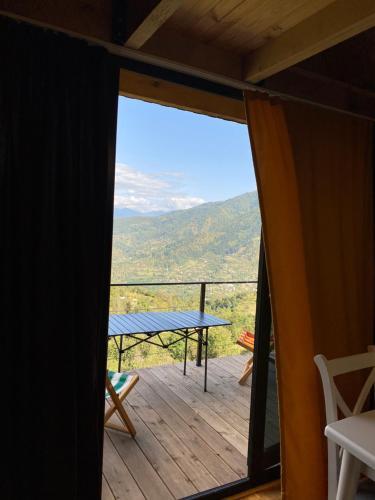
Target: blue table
x: 148, y: 327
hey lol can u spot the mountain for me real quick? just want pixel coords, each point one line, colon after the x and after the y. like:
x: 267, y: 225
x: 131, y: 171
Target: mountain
x: 128, y: 212
x: 212, y: 241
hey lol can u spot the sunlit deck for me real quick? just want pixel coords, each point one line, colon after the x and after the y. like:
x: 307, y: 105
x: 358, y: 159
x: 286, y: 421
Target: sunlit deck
x: 187, y: 440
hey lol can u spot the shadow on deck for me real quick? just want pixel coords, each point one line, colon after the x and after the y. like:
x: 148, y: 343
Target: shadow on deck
x: 187, y: 440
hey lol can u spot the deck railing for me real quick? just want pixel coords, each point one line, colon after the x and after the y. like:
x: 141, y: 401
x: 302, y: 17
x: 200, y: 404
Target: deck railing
x: 202, y: 297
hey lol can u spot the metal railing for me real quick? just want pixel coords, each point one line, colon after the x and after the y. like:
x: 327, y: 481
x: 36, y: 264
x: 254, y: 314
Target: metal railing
x: 202, y: 299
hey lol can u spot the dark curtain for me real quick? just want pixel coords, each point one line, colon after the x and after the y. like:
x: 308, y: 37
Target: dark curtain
x: 58, y: 104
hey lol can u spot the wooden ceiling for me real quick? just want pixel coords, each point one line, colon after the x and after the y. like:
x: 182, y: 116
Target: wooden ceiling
x: 305, y: 48
x: 245, y: 39
x: 241, y: 25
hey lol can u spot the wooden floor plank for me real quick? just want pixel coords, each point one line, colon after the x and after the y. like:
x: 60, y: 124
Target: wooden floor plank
x: 183, y: 457
x: 217, y: 467
x: 215, y: 403
x: 237, y: 365
x: 218, y: 371
x: 225, y: 391
x: 230, y: 369
x: 238, y: 360
x: 142, y: 470
x: 240, y: 392
x: 221, y: 363
x: 234, y: 368
x: 106, y: 490
x: 225, y: 450
x: 201, y: 408
x: 117, y: 474
x: 176, y: 481
x: 187, y: 440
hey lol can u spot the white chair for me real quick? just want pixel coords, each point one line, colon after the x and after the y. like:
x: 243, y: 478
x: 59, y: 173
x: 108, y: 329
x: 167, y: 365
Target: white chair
x: 334, y: 400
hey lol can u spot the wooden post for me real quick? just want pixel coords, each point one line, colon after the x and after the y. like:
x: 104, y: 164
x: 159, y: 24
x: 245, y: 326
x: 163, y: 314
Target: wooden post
x: 200, y: 332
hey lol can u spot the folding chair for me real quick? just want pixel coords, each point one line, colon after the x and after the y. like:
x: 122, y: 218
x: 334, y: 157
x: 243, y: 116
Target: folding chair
x: 246, y: 340
x: 118, y: 386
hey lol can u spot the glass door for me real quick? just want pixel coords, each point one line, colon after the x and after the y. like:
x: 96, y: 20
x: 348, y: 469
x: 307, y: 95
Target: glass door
x: 264, y: 438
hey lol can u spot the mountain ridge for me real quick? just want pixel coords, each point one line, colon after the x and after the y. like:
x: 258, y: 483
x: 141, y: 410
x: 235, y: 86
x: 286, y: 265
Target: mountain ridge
x: 211, y: 241
x: 129, y: 212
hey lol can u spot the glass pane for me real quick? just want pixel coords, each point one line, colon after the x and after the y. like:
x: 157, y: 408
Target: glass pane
x: 271, y: 430
x: 264, y: 445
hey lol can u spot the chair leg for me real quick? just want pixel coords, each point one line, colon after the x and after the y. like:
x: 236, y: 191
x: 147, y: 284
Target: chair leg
x: 333, y: 468
x: 349, y: 476
x: 248, y: 369
x: 124, y: 417
x: 117, y: 406
x: 126, y: 420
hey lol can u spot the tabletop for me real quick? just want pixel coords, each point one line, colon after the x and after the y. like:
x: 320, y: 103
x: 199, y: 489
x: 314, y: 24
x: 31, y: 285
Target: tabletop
x: 158, y: 322
x: 355, y: 434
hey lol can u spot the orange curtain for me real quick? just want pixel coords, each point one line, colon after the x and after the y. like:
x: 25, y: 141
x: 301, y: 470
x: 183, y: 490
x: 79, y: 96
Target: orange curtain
x: 314, y: 174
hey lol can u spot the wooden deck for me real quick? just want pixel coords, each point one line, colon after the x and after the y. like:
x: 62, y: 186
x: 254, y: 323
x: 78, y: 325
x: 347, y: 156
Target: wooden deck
x: 187, y: 440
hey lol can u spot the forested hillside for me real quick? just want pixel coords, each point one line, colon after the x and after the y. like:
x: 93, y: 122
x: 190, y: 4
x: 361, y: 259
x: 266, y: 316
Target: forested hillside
x: 213, y: 241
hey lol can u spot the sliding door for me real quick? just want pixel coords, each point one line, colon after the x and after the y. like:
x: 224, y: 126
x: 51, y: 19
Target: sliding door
x: 264, y: 441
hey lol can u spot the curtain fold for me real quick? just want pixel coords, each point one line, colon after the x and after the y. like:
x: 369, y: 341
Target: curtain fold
x: 58, y: 104
x: 314, y: 175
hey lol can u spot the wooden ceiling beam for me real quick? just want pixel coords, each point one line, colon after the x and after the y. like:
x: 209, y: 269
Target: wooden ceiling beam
x: 145, y: 17
x: 337, y: 22
x: 322, y: 90
x: 156, y: 90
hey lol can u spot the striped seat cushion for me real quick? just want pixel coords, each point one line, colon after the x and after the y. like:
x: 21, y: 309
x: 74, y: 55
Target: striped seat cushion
x: 119, y: 381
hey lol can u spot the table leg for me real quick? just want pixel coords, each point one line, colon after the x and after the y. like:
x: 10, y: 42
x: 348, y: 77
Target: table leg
x: 186, y: 339
x: 349, y: 476
x: 199, y: 348
x: 205, y: 361
x: 120, y: 355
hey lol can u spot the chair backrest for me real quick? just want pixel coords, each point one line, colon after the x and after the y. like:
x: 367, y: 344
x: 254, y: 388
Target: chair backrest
x: 333, y: 399
x: 247, y: 340
x: 339, y: 366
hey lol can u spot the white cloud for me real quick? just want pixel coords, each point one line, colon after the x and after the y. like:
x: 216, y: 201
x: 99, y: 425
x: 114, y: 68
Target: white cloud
x: 129, y: 179
x: 183, y: 202
x: 150, y: 192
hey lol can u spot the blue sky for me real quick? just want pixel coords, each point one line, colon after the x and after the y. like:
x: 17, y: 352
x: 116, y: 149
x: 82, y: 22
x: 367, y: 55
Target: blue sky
x: 169, y: 159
